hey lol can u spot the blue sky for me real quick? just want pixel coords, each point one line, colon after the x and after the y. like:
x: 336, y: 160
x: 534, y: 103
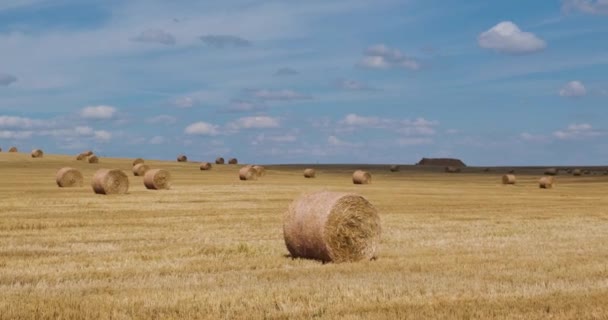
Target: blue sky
x: 355, y: 81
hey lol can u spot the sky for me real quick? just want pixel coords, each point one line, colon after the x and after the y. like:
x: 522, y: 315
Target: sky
x: 514, y: 82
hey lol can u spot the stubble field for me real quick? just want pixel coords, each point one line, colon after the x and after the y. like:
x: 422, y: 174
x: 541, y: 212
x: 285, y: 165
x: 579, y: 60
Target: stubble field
x: 454, y: 246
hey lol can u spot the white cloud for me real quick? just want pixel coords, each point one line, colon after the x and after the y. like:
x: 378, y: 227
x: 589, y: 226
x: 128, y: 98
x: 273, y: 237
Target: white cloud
x: 383, y: 57
x: 264, y: 138
x: 98, y: 112
x: 257, y: 122
x: 244, y: 106
x: 577, y: 131
x: 11, y: 122
x: 102, y: 136
x: 599, y: 7
x: 533, y: 137
x: 7, y: 79
x: 573, y: 89
x: 155, y: 36
x: 506, y: 37
x: 357, y: 120
x: 414, y: 141
x: 16, y: 135
x: 157, y: 140
x: 417, y: 127
x: 279, y: 95
x: 162, y: 119
x: 337, y: 142
x: 223, y: 41
x: 202, y: 128
x: 184, y: 102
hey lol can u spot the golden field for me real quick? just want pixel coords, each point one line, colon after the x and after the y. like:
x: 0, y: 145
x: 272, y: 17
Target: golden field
x: 457, y: 246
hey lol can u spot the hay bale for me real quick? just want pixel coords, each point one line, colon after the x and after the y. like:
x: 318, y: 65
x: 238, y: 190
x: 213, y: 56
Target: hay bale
x: 362, y: 177
x: 13, y: 149
x: 546, y: 182
x: 69, y: 178
x: 182, y: 158
x: 451, y: 169
x: 261, y: 171
x: 512, y: 171
x: 332, y: 227
x: 487, y: 170
x: 205, y: 166
x: 140, y: 169
x: 248, y: 173
x: 93, y: 159
x: 106, y: 181
x: 81, y: 157
x: 394, y: 168
x: 0, y: 149
x: 551, y: 172
x: 508, y: 179
x: 219, y: 160
x: 157, y: 179
x: 587, y: 172
x: 233, y: 161
x: 310, y: 173
x: 577, y: 172
x: 88, y: 153
x: 37, y: 153
x: 138, y: 161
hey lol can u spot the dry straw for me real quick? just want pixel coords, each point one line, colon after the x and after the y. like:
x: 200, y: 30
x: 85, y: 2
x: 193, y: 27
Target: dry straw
x: 332, y: 227
x: 138, y: 161
x: 362, y: 177
x: 106, y: 181
x: 37, y: 153
x: 394, y: 168
x: 546, y: 182
x: 13, y: 149
x: 69, y: 178
x: 551, y: 172
x: 508, y: 179
x: 451, y: 169
x: 81, y: 157
x: 157, y: 179
x: 139, y: 170
x: 233, y: 161
x: 182, y: 158
x: 88, y: 153
x: 577, y: 172
x: 310, y: 173
x: 206, y: 166
x: 93, y: 159
x: 248, y: 173
x: 220, y: 160
x: 260, y: 170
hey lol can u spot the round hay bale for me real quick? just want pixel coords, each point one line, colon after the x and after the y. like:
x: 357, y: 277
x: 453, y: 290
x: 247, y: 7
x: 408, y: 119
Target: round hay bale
x: 81, y: 157
x: 362, y: 177
x: 106, y: 181
x: 219, y: 160
x: 587, y: 172
x: 577, y: 172
x: 206, y: 166
x: 69, y: 178
x: 182, y: 158
x: 88, y: 153
x: 261, y: 171
x: 140, y: 169
x: 248, y: 173
x: 508, y: 179
x: 0, y: 149
x: 487, y: 170
x: 394, y: 168
x: 37, y: 153
x: 93, y: 159
x: 138, y: 161
x: 606, y: 173
x: 332, y: 227
x: 450, y: 169
x: 310, y: 173
x: 551, y: 172
x: 546, y: 182
x: 157, y: 179
x: 13, y: 149
x: 233, y: 161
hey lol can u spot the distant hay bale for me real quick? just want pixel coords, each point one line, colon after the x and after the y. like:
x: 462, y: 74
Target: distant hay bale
x: 577, y: 172
x: 587, y: 172
x: 140, y: 169
x: 332, y: 227
x: 106, y: 181
x: 219, y: 160
x: 310, y: 173
x: 546, y: 182
x: 205, y: 166
x: 37, y: 153
x: 182, y: 158
x: 157, y: 179
x: 606, y: 173
x: 551, y: 172
x: 13, y: 149
x: 394, y: 168
x: 451, y: 169
x: 0, y: 149
x: 81, y: 157
x: 88, y: 153
x: 362, y: 177
x: 248, y: 173
x: 138, y: 161
x: 69, y: 178
x: 512, y: 171
x: 487, y: 170
x: 260, y: 170
x: 508, y: 179
x: 93, y: 159
x: 233, y: 161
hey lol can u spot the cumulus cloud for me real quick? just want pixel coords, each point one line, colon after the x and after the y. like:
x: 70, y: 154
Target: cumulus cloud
x: 184, y: 102
x: 279, y: 95
x: 383, y: 57
x: 7, y: 79
x: 533, y: 137
x: 102, y: 135
x: 257, y: 122
x: 98, y: 112
x: 202, y: 128
x: 15, y: 135
x: 419, y: 126
x: 573, y: 89
x: 506, y: 37
x: 264, y: 138
x: 577, y: 131
x: 155, y: 36
x: 12, y: 122
x: 223, y: 41
x: 162, y: 119
x: 599, y: 7
x: 353, y: 85
x: 337, y: 142
x: 286, y: 72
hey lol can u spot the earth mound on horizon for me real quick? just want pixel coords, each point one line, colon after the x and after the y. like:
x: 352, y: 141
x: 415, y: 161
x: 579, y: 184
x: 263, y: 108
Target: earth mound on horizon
x: 444, y: 162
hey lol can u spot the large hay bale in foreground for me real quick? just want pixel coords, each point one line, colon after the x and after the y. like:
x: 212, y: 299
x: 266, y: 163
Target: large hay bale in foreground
x: 551, y: 172
x: 362, y: 177
x: 140, y: 169
x: 310, y: 173
x: 106, y: 181
x: 577, y: 172
x: 260, y: 170
x: 451, y: 169
x: 508, y: 179
x: 332, y: 227
x: 182, y: 158
x: 248, y: 173
x: 13, y: 149
x: 69, y: 178
x: 37, y: 153
x: 205, y: 166
x: 394, y: 168
x: 138, y: 161
x: 546, y: 182
x: 93, y: 159
x: 233, y: 161
x: 219, y: 160
x: 157, y: 179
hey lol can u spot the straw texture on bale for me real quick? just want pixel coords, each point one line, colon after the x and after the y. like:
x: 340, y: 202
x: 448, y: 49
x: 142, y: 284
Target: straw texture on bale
x: 233, y: 161
x: 81, y: 157
x: 546, y: 182
x: 37, y: 153
x: 13, y: 149
x: 220, y: 160
x: 69, y: 178
x: 577, y: 172
x: 260, y: 170
x: 157, y: 179
x: 106, y: 181
x: 93, y: 159
x: 206, y: 166
x: 551, y: 172
x: 394, y: 168
x: 332, y: 227
x: 451, y: 169
x: 88, y: 153
x: 310, y: 173
x: 362, y: 177
x: 248, y: 173
x: 508, y: 179
x: 140, y: 169
x: 182, y: 158
x: 138, y: 161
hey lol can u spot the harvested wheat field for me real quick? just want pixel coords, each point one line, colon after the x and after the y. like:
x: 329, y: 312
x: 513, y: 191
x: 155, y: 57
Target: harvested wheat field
x: 212, y: 247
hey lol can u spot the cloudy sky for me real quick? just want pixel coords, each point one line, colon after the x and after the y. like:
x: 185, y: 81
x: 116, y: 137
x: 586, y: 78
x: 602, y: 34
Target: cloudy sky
x: 515, y: 82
